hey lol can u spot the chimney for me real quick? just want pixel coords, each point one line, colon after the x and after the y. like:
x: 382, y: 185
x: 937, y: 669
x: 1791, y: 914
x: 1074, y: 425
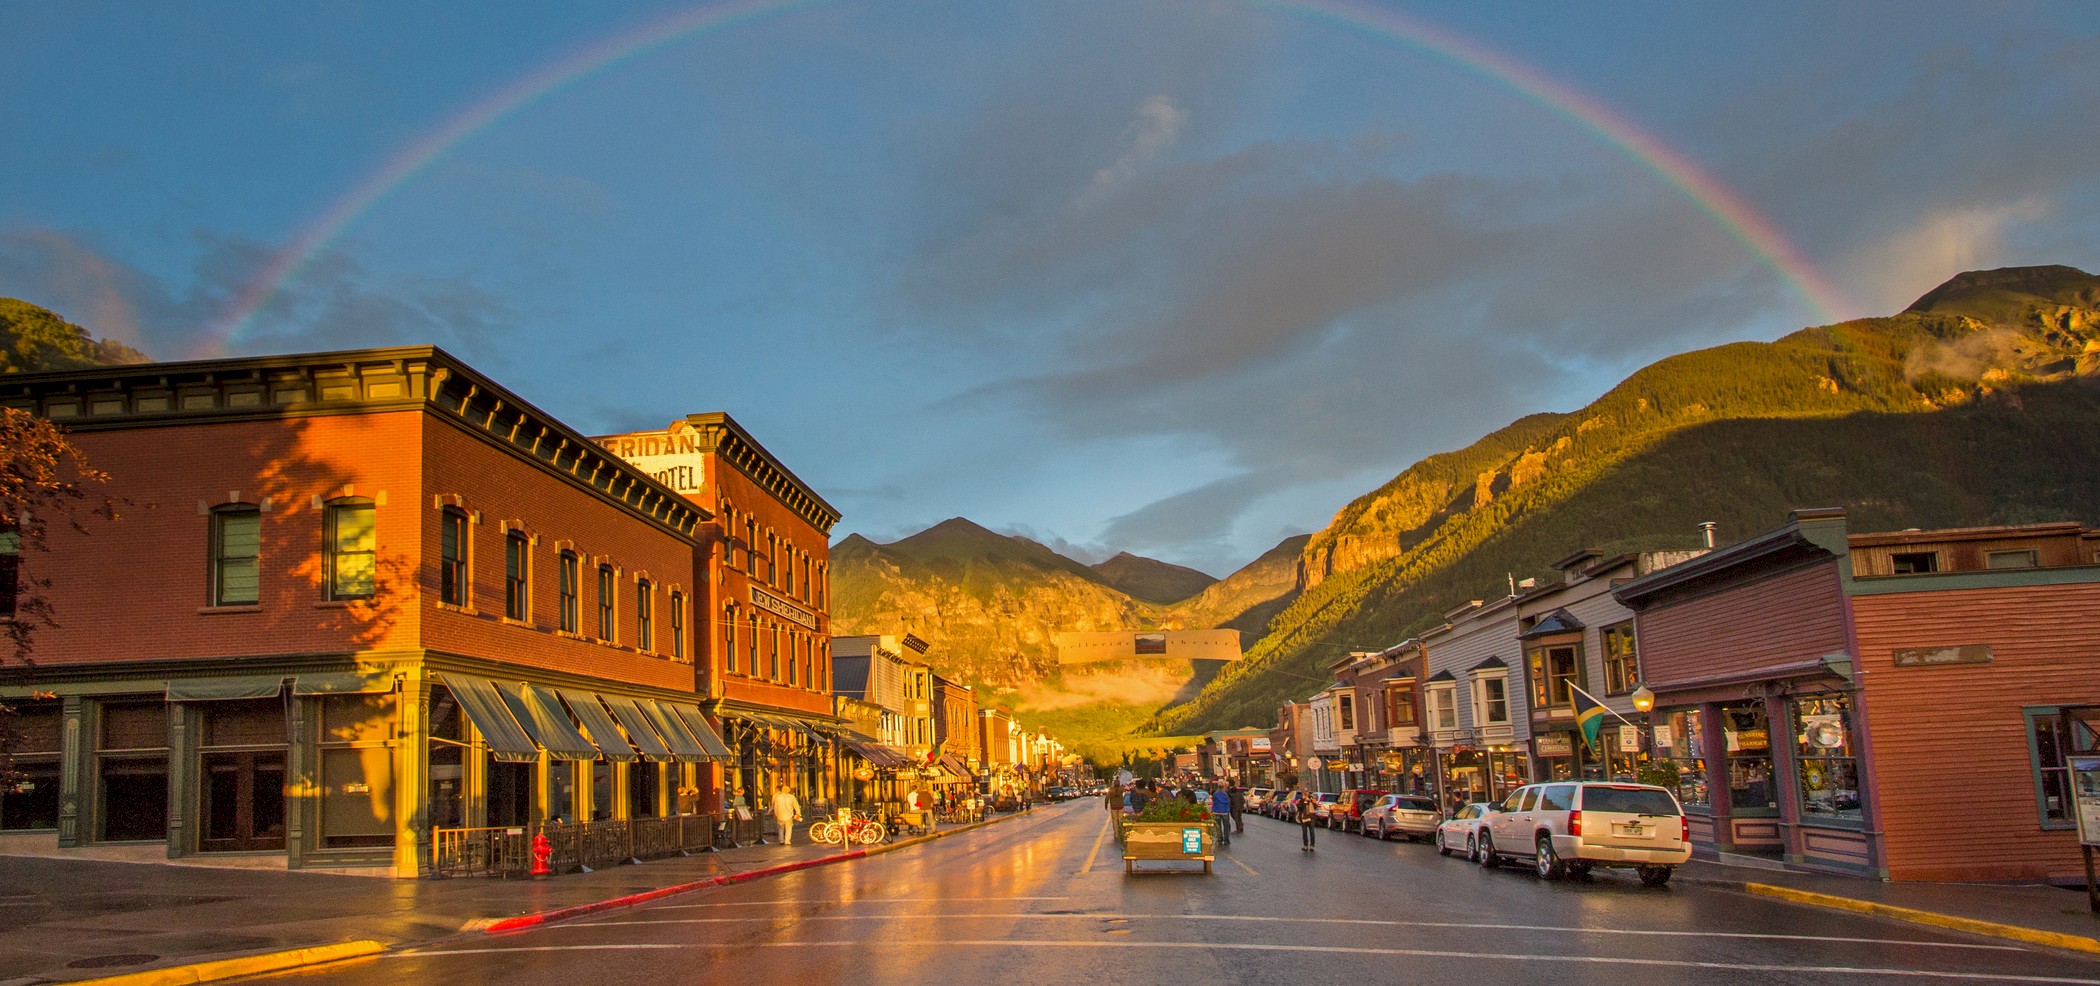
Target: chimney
x: 1706, y: 532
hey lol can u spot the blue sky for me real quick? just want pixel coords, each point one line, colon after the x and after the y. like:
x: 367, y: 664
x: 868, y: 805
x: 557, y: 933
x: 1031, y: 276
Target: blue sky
x: 1175, y: 278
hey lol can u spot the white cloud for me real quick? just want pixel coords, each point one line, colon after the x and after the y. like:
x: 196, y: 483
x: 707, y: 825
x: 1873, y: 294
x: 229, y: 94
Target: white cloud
x: 1890, y: 273
x: 1155, y: 130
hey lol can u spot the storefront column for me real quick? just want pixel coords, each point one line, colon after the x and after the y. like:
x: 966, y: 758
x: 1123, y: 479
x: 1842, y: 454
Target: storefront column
x: 1786, y: 773
x: 182, y: 779
x: 1869, y: 791
x: 1714, y: 741
x: 302, y: 781
x: 75, y: 761
x: 412, y: 778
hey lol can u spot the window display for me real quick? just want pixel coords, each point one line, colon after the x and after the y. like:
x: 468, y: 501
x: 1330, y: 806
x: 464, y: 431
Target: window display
x: 1829, y: 766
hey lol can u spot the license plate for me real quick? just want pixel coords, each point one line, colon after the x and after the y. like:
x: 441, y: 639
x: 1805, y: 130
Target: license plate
x: 1630, y: 828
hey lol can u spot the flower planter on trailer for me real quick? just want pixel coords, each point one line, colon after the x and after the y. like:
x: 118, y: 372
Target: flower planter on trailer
x: 1167, y: 841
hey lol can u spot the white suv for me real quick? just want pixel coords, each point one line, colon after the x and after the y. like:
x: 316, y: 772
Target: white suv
x: 1571, y: 826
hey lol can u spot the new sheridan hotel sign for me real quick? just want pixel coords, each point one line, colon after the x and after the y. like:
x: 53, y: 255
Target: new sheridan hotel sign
x: 672, y: 458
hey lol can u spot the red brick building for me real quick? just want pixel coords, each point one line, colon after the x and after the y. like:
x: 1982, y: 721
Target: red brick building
x: 353, y: 598
x: 766, y: 560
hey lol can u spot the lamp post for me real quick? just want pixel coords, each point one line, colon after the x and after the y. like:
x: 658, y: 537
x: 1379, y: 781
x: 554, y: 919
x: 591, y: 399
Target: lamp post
x: 1644, y: 700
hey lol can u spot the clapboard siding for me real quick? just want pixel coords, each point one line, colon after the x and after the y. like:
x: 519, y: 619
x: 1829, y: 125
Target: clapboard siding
x: 1794, y: 616
x: 1951, y: 754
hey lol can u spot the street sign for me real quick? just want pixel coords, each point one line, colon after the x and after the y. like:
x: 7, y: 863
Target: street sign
x: 1192, y: 841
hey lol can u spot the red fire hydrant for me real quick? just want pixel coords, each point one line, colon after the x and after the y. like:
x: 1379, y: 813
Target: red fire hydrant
x: 542, y: 851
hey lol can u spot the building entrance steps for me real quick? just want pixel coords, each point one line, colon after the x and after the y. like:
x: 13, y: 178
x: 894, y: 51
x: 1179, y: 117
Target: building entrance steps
x: 2030, y: 913
x: 63, y: 920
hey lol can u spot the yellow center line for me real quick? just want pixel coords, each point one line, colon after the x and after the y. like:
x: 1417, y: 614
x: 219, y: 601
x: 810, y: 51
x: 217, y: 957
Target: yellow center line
x: 1106, y: 821
x: 1236, y: 862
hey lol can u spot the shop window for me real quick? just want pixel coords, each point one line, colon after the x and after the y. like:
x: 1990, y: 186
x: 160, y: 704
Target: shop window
x: 644, y: 782
x: 448, y: 746
x: 1828, y: 764
x: 606, y: 583
x: 512, y: 794
x: 517, y: 553
x: 31, y: 801
x: 678, y: 625
x: 352, y: 549
x: 357, y: 770
x: 561, y: 791
x: 452, y: 556
x: 571, y: 589
x: 1680, y: 756
x: 1622, y: 667
x: 1555, y: 673
x: 644, y: 615
x: 236, y: 544
x: 241, y: 775
x: 1746, y: 734
x: 131, y: 772
x: 601, y: 790
x: 2049, y: 743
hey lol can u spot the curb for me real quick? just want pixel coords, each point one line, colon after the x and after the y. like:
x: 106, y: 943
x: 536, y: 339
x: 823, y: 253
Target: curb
x: 524, y: 921
x: 1974, y: 926
x: 245, y: 965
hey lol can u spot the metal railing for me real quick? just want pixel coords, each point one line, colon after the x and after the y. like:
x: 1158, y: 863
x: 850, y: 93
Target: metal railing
x: 507, y: 851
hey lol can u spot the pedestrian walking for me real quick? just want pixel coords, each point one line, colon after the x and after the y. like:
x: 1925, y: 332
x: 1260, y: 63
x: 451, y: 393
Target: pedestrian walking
x: 1221, y: 814
x: 1238, y: 797
x: 1304, y: 809
x: 787, y: 810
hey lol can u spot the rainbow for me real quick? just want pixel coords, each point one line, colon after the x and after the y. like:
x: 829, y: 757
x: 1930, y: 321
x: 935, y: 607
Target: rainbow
x: 1729, y: 212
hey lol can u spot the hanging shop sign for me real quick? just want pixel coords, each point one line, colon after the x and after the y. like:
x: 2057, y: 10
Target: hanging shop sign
x: 1555, y: 745
x: 2085, y: 792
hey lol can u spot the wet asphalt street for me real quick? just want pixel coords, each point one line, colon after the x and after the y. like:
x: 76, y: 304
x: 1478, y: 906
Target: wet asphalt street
x: 1043, y: 899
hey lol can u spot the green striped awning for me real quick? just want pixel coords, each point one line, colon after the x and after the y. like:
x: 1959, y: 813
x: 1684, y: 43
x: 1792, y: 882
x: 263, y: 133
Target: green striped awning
x: 598, y: 725
x: 685, y: 748
x: 225, y: 689
x: 491, y: 716
x: 696, y: 721
x: 544, y: 718
x: 639, y: 729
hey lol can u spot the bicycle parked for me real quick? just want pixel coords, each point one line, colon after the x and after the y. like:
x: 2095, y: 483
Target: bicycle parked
x: 848, y: 827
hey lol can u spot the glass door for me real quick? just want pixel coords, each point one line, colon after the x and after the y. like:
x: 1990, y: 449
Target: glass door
x: 242, y: 801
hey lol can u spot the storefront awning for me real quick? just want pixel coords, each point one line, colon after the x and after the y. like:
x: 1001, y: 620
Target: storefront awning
x: 491, y: 717
x: 547, y: 722
x: 696, y: 721
x: 956, y: 765
x: 598, y: 726
x: 879, y: 754
x: 346, y: 683
x: 685, y: 748
x: 639, y: 729
x: 225, y: 689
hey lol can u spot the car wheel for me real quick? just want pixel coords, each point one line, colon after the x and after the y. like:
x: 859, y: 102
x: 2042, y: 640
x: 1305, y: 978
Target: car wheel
x: 1654, y: 876
x: 1486, y: 856
x: 1472, y: 851
x: 1548, y: 865
x: 1441, y: 848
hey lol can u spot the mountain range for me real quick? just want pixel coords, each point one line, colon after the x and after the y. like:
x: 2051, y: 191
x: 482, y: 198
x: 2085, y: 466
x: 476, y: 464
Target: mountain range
x: 1977, y: 404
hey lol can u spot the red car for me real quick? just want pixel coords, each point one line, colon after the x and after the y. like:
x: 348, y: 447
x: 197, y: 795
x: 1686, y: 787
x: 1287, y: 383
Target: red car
x: 1348, y: 811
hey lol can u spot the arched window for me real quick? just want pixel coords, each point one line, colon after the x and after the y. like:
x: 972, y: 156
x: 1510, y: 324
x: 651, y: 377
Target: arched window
x: 236, y: 544
x: 571, y: 590
x: 729, y: 637
x: 751, y: 644
x: 517, y: 592
x: 791, y: 657
x: 452, y: 556
x: 350, y: 543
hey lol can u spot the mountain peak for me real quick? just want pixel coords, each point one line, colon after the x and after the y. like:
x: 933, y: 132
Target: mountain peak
x: 1151, y: 579
x: 1987, y: 293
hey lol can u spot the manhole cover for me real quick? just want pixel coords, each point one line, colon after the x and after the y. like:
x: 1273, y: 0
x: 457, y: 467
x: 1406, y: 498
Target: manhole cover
x: 106, y: 961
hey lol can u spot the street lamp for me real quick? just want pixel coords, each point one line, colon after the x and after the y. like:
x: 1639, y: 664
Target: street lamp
x: 1644, y: 701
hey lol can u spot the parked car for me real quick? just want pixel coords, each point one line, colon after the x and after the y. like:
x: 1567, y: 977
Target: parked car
x: 1256, y: 798
x: 1347, y: 814
x: 1323, y: 804
x: 1461, y: 832
x: 1412, y: 816
x: 1571, y: 827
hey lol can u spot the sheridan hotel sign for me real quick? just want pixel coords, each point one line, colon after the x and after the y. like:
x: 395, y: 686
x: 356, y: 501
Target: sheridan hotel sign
x: 672, y: 457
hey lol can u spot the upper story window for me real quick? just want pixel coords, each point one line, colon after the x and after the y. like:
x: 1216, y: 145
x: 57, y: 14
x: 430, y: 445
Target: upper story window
x: 1491, y: 699
x: 2025, y: 558
x: 792, y: 646
x: 1622, y: 666
x: 517, y: 553
x: 571, y: 589
x: 773, y: 653
x: 1400, y: 702
x: 1443, y: 706
x: 606, y: 583
x: 452, y: 556
x: 677, y: 624
x: 787, y: 571
x: 751, y: 644
x: 644, y: 615
x: 750, y: 546
x: 1348, y: 712
x: 10, y: 568
x: 1914, y: 562
x: 236, y: 543
x: 729, y: 637
x: 1553, y: 671
x: 820, y: 583
x: 352, y: 544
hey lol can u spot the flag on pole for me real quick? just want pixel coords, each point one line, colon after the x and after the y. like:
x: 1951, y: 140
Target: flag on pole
x: 1589, y: 717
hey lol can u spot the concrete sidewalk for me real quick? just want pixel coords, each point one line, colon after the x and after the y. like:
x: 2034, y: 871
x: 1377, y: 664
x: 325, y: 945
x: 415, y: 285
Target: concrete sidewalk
x: 63, y: 920
x: 2047, y: 915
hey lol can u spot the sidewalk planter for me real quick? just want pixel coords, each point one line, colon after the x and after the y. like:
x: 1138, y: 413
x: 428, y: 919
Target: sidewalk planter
x: 1172, y: 841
